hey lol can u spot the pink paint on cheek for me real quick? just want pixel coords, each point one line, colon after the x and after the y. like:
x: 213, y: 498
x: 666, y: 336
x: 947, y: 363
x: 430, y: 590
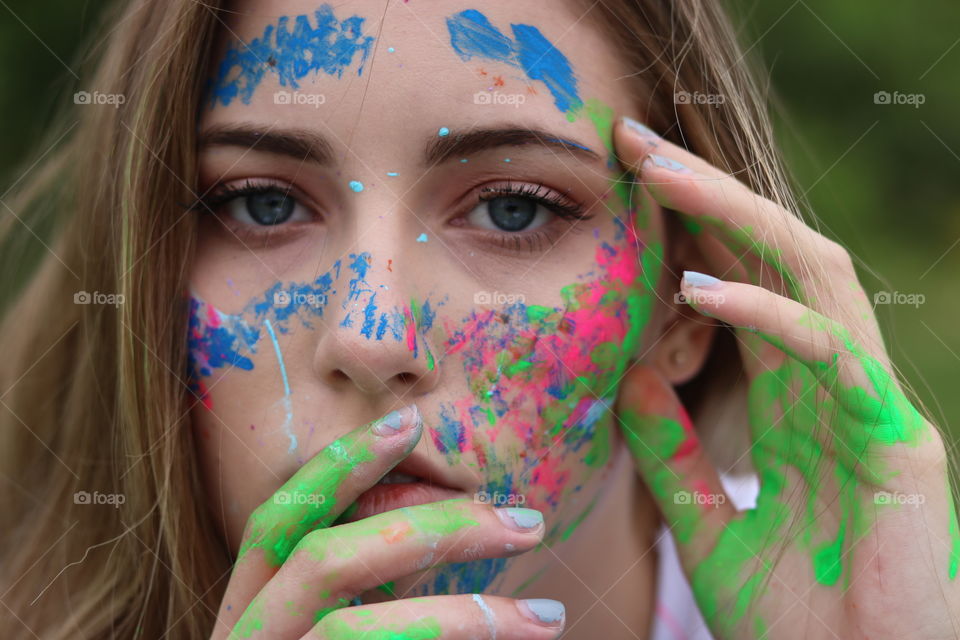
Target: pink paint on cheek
x: 411, y: 329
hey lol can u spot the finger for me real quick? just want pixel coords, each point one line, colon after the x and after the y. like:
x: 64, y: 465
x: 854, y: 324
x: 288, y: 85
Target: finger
x: 863, y: 386
x: 682, y: 181
x: 330, y: 567
x: 460, y: 617
x: 313, y: 498
x: 668, y: 455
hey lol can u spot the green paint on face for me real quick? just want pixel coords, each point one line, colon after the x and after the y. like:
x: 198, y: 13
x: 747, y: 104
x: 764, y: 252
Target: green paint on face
x: 388, y: 588
x: 576, y: 523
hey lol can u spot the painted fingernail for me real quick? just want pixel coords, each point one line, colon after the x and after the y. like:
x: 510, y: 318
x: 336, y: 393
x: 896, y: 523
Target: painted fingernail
x: 520, y: 519
x: 548, y: 613
x: 701, y: 280
x: 667, y: 163
x: 640, y: 129
x: 398, y: 421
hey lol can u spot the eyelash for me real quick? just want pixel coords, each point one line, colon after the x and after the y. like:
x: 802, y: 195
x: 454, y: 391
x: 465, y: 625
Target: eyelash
x: 561, y: 206
x: 532, y: 241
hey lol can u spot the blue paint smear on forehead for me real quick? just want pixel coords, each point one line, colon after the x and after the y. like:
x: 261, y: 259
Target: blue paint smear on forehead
x: 472, y: 35
x: 330, y: 47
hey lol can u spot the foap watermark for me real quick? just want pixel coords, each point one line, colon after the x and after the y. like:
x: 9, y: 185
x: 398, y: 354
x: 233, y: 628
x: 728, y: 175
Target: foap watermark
x: 898, y: 297
x: 298, y: 298
x: 299, y: 97
x: 298, y: 497
x: 96, y: 297
x: 699, y: 497
x: 699, y: 296
x: 912, y: 99
x: 498, y: 297
x: 698, y: 97
x: 892, y: 497
x: 113, y: 499
x: 95, y: 97
x: 498, y: 98
x: 499, y: 499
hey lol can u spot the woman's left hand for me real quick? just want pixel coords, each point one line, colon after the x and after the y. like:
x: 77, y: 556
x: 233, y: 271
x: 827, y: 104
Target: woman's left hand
x: 854, y: 534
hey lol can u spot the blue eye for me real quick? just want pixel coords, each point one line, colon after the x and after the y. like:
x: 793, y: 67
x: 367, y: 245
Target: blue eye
x: 510, y: 213
x: 522, y: 207
x: 266, y: 207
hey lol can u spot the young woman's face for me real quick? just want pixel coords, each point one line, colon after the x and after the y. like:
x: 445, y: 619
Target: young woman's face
x: 417, y: 206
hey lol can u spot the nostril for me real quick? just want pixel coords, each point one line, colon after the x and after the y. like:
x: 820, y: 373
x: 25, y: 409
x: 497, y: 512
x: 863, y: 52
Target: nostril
x: 406, y: 377
x: 337, y: 375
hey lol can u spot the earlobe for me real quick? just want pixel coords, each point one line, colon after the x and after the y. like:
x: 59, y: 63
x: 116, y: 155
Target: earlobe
x: 684, y: 346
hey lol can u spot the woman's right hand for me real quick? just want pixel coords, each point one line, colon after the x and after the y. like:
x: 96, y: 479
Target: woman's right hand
x: 296, y: 575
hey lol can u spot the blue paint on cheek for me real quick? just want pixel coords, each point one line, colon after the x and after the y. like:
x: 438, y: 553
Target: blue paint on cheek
x: 451, y: 435
x: 330, y: 47
x: 472, y: 35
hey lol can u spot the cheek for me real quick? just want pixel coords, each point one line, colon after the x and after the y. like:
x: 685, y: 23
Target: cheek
x: 542, y: 379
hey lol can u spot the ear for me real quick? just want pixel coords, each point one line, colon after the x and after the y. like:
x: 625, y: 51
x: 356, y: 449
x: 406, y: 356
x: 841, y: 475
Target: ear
x: 684, y: 338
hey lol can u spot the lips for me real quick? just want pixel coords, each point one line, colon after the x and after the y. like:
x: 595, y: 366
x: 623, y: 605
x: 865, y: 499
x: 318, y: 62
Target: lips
x: 413, y: 481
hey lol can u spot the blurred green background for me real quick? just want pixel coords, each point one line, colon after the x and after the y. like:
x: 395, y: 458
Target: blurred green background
x: 882, y: 177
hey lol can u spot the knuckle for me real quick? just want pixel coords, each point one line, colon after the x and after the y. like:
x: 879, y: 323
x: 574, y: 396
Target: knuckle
x: 836, y: 254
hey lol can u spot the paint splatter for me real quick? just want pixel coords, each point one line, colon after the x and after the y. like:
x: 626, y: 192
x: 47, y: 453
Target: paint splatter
x: 392, y: 174
x: 331, y: 47
x: 356, y: 186
x: 422, y: 237
x: 287, y: 403
x: 472, y: 35
x: 443, y: 132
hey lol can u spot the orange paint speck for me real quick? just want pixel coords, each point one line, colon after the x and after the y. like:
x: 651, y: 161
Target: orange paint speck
x: 396, y: 532
x: 390, y: 266
x: 482, y: 71
x: 498, y: 81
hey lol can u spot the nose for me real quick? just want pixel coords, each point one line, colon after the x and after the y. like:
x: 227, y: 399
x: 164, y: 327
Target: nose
x: 378, y: 338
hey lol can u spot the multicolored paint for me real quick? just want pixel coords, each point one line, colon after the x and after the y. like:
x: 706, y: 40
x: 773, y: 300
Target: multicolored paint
x: 330, y: 47
x: 217, y: 340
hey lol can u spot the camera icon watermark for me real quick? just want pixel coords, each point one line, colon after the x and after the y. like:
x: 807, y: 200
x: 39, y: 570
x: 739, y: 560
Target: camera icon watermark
x: 498, y: 297
x: 298, y: 498
x: 699, y: 498
x: 113, y: 499
x: 96, y: 297
x: 95, y: 97
x: 897, y: 297
x: 498, y: 98
x: 912, y: 99
x: 698, y: 97
x: 699, y: 296
x: 498, y: 499
x: 298, y: 298
x: 888, y: 497
x: 299, y: 97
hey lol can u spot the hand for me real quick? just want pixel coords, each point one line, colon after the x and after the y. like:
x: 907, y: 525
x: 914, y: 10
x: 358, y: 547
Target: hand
x: 296, y: 575
x: 854, y: 534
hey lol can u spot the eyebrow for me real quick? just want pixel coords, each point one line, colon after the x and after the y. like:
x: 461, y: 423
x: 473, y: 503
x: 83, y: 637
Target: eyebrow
x: 299, y: 144
x: 474, y: 141
x: 302, y: 144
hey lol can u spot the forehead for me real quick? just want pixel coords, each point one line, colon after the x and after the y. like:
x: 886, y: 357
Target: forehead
x: 360, y: 69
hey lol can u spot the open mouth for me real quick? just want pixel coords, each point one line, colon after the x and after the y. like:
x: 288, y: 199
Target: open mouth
x: 398, y: 489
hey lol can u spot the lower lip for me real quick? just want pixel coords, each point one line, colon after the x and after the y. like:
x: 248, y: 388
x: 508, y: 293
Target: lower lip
x: 387, y: 497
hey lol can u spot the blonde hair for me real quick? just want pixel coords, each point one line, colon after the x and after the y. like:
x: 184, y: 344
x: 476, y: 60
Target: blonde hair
x: 94, y: 396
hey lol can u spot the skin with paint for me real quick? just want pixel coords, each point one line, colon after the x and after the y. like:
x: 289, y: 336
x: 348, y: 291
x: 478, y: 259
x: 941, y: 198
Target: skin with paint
x: 495, y: 264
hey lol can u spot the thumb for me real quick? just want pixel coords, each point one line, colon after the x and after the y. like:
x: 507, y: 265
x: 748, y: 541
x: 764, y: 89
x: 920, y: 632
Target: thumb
x: 668, y: 456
